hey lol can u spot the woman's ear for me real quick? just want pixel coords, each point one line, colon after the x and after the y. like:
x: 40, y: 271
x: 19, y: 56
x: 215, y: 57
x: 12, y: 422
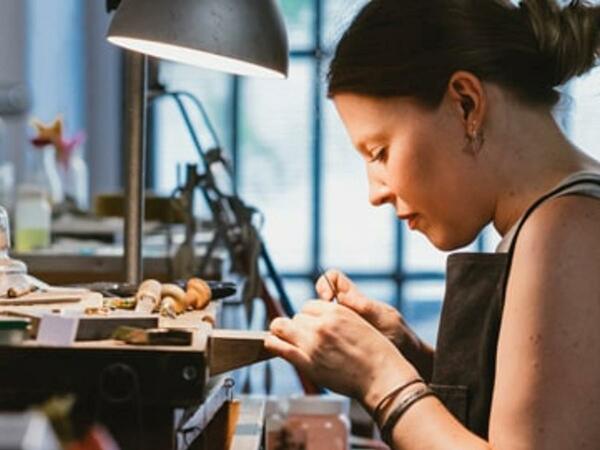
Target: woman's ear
x: 468, y: 97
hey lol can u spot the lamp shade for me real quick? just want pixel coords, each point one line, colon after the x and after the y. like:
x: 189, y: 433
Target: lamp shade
x: 245, y: 37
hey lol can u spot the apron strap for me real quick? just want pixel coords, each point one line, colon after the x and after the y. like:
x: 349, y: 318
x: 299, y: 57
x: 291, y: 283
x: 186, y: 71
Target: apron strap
x: 530, y: 210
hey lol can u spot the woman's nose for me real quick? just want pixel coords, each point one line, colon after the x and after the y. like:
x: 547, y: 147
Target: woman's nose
x: 379, y: 193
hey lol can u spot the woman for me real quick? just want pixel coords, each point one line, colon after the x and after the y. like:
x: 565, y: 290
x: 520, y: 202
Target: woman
x: 449, y: 103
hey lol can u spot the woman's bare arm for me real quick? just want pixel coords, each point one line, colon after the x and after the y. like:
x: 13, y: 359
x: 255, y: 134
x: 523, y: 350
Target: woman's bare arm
x: 547, y: 392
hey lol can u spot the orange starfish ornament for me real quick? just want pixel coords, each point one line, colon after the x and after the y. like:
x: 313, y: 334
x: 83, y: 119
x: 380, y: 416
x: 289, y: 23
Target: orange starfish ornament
x: 48, y: 134
x: 53, y: 134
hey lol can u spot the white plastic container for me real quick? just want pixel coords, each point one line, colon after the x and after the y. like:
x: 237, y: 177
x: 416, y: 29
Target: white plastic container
x: 33, y: 219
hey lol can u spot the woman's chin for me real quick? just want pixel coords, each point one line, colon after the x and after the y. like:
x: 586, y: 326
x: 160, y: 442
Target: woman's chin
x: 447, y: 242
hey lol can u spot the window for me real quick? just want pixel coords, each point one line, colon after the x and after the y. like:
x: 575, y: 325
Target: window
x: 582, y: 104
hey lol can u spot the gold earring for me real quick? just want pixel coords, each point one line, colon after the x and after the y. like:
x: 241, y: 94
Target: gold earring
x: 474, y: 140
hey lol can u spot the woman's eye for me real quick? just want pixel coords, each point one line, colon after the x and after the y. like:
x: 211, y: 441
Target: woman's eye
x: 378, y: 155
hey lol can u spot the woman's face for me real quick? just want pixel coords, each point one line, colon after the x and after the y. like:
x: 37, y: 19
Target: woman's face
x: 416, y: 162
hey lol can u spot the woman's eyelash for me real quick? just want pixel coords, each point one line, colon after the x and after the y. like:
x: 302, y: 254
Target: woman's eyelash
x: 378, y: 155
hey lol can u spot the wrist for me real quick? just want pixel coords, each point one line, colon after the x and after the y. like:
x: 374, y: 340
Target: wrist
x: 395, y: 412
x: 391, y: 372
x: 390, y: 406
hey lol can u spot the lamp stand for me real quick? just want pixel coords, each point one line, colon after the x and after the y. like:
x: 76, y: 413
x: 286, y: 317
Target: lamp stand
x: 134, y: 108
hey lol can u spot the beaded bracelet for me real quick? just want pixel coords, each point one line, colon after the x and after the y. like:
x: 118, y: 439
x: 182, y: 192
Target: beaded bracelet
x: 398, y: 412
x: 391, y: 395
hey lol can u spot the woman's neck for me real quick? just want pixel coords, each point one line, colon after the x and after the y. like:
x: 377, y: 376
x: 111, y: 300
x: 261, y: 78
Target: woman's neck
x: 533, y: 158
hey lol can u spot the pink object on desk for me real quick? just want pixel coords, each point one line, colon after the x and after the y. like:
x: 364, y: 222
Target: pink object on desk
x: 312, y: 423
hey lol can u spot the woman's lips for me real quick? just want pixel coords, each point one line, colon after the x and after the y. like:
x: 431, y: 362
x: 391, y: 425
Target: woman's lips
x: 411, y: 219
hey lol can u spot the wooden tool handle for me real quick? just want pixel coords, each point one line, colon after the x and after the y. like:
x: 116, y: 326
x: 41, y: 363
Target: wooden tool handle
x: 231, y: 349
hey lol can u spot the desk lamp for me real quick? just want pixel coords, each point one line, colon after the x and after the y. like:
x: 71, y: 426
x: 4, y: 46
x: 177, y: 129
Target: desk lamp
x: 244, y: 37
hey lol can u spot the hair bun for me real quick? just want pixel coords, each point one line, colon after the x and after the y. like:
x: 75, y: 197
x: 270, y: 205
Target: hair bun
x: 568, y: 37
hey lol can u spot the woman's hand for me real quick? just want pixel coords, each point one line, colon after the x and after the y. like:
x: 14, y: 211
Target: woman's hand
x: 340, y: 350
x: 385, y: 318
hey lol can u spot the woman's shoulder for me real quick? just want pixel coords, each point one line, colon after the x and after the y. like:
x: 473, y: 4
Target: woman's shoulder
x: 582, y: 184
x: 559, y: 244
x: 564, y: 226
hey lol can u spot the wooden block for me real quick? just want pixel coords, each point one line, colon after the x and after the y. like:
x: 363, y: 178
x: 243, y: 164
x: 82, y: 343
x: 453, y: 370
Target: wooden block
x: 55, y: 330
x: 231, y: 349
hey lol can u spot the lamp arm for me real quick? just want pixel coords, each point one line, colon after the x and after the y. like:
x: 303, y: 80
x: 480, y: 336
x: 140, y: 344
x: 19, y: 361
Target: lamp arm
x: 202, y: 110
x: 187, y: 121
x: 211, y: 155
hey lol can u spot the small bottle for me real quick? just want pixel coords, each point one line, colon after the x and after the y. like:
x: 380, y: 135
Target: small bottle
x: 33, y: 218
x: 75, y: 179
x: 323, y: 420
x: 43, y: 173
x: 12, y: 272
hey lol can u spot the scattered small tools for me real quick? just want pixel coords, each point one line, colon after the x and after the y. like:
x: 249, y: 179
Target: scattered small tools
x: 148, y: 296
x: 15, y: 292
x: 170, y: 299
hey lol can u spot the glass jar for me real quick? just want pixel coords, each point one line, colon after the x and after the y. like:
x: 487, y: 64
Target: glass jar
x: 33, y: 216
x: 13, y: 273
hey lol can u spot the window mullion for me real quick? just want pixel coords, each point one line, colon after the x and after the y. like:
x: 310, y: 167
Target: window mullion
x: 317, y: 150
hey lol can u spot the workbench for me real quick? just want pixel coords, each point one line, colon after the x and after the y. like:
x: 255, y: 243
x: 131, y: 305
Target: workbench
x: 149, y: 397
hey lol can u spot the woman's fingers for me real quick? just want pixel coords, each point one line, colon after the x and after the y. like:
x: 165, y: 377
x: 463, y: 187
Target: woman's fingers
x: 316, y: 307
x: 296, y: 331
x: 332, y: 278
x: 346, y: 292
x: 283, y: 328
x: 291, y: 338
x: 287, y: 351
x: 358, y: 303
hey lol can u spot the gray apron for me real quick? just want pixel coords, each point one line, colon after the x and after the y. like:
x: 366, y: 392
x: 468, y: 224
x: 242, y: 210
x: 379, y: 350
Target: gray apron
x: 465, y: 358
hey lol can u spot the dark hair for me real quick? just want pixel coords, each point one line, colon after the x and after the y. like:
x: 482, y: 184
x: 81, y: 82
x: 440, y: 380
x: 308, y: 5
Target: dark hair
x: 412, y: 47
